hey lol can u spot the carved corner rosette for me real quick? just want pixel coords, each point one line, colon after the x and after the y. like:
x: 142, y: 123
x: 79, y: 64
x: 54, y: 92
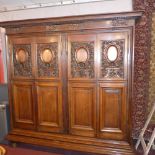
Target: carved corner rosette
x: 22, y: 67
x: 112, y: 69
x: 81, y: 69
x: 48, y: 69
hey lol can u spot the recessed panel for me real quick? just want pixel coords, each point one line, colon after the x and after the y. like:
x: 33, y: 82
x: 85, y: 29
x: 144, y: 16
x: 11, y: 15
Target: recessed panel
x: 23, y: 105
x: 113, y: 110
x: 82, y: 109
x: 49, y: 107
x: 112, y: 107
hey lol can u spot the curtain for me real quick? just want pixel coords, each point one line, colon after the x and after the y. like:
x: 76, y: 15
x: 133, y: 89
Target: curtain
x: 1, y: 67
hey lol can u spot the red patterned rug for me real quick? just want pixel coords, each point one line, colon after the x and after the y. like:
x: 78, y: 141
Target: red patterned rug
x: 23, y: 151
x: 36, y: 151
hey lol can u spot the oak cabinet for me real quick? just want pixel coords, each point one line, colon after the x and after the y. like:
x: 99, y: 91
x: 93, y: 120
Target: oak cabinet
x: 70, y: 82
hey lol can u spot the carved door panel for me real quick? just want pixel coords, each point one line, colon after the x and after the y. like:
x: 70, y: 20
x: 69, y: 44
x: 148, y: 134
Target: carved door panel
x: 114, y: 52
x: 50, y: 117
x: 21, y: 57
x: 113, y: 111
x: 23, y: 104
x: 48, y: 58
x: 112, y: 79
x: 81, y: 57
x: 49, y: 93
x: 82, y: 87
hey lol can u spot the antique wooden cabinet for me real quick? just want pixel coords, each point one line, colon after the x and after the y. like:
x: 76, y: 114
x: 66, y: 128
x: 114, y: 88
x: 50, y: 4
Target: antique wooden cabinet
x: 70, y: 81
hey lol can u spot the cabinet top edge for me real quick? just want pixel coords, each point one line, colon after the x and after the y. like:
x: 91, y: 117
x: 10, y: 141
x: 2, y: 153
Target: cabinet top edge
x: 71, y: 19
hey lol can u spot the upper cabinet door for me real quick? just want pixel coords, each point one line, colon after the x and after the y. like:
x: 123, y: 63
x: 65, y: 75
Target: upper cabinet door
x: 23, y: 105
x: 114, y: 51
x: 22, y: 56
x: 81, y: 57
x: 48, y: 52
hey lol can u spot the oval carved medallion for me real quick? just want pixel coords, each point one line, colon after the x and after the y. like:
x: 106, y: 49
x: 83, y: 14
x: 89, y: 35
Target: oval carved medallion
x: 47, y: 55
x: 21, y: 55
x: 82, y: 55
x: 112, y: 53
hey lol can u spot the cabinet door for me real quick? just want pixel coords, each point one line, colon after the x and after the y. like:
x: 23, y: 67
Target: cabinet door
x: 23, y: 105
x: 21, y: 58
x: 48, y: 54
x: 82, y: 109
x: 50, y: 116
x: 113, y: 81
x: 82, y: 87
x: 49, y: 93
x: 113, y: 111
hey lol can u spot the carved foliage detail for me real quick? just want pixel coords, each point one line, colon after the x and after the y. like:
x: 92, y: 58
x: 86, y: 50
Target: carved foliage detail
x: 119, y: 21
x: 82, y: 69
x: 25, y: 68
x: 112, y: 69
x: 48, y: 69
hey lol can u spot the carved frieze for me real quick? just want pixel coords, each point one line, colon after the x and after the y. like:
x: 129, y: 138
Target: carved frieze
x: 112, y: 67
x: 119, y: 21
x: 47, y: 60
x: 51, y: 28
x: 64, y: 27
x: 22, y: 60
x: 82, y: 59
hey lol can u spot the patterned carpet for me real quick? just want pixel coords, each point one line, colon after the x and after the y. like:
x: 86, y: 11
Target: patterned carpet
x: 24, y: 151
x: 36, y: 150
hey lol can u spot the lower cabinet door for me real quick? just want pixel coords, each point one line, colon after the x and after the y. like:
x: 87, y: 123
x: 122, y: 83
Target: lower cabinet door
x: 112, y: 111
x: 23, y: 105
x: 50, y: 115
x: 82, y: 109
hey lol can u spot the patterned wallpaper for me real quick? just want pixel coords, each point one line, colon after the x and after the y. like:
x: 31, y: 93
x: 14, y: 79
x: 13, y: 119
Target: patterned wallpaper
x: 152, y: 69
x: 142, y: 64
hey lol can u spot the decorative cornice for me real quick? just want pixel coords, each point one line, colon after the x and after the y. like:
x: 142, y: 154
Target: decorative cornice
x: 70, y: 19
x: 73, y: 23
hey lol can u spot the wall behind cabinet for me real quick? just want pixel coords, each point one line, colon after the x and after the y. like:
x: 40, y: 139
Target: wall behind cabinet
x: 104, y: 6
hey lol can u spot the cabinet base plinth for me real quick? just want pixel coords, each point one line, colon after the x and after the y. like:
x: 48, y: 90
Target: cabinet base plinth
x: 69, y: 142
